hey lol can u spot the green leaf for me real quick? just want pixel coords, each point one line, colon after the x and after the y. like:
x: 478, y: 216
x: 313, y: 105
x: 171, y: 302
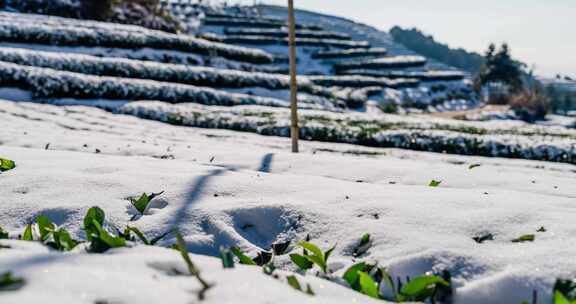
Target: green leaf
x: 112, y: 241
x: 473, y: 166
x: 524, y: 238
x: 435, y: 183
x: 312, y: 248
x: 368, y: 286
x: 64, y: 241
x: 387, y: 278
x: 141, y: 204
x: 242, y: 257
x: 293, y: 281
x: 328, y: 253
x: 567, y: 288
x: 28, y: 235
x: 94, y: 214
x: 541, y: 229
x: 483, y: 238
x: 309, y: 290
x: 8, y: 282
x: 351, y: 275
x: 6, y: 164
x: 138, y: 233
x: 181, y: 247
x: 559, y: 298
x: 418, y: 289
x: 363, y: 246
x: 157, y: 239
x: 301, y: 261
x: 45, y: 227
x: 227, y: 258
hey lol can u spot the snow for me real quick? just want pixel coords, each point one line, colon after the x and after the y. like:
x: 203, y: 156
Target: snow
x: 415, y: 228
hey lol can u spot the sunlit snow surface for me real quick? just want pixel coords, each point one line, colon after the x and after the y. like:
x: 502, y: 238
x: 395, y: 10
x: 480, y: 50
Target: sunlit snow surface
x: 222, y: 181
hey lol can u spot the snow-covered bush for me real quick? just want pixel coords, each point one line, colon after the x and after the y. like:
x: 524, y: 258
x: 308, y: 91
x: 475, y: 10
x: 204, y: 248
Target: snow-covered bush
x: 72, y: 35
x: 421, y: 75
x: 362, y: 81
x: 283, y: 33
x: 255, y: 23
x: 537, y: 143
x: 185, y: 74
x: 265, y: 40
x: 383, y: 63
x: 350, y: 53
x: 49, y: 83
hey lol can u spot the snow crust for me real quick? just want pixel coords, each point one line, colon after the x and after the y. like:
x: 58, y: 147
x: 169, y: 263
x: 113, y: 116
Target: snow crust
x: 335, y: 192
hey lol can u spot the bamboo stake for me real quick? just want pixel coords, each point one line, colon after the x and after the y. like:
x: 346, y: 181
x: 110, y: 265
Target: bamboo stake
x: 294, y: 130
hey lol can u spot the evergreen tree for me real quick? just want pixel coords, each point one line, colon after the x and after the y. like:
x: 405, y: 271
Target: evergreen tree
x: 499, y: 67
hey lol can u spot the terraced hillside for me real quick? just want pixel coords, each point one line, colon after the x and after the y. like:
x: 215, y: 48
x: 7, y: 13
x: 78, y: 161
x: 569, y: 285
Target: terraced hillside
x: 231, y: 75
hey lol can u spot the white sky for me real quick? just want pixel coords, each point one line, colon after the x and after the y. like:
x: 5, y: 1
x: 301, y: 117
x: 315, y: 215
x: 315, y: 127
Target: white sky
x: 540, y: 32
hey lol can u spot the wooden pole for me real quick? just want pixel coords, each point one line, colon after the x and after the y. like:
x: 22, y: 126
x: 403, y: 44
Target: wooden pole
x: 294, y: 130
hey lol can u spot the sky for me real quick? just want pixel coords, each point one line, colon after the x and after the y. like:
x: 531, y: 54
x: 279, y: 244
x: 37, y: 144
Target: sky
x: 541, y: 33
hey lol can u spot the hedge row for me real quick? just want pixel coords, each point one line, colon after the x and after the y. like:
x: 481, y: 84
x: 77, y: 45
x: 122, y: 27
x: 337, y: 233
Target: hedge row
x: 383, y: 63
x: 283, y: 33
x: 78, y: 23
x: 362, y: 81
x: 255, y: 23
x: 263, y: 40
x: 421, y: 75
x: 185, y: 74
x: 50, y: 83
x: 350, y: 53
x: 376, y: 133
x: 69, y: 35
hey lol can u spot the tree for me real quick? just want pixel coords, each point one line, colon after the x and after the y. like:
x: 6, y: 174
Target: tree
x: 499, y: 67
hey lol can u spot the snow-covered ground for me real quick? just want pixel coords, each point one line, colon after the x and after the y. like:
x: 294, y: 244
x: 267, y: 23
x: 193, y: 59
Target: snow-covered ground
x: 224, y: 188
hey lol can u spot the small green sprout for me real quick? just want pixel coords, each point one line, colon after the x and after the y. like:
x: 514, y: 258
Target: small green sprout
x: 524, y: 238
x: 472, y: 166
x: 435, y: 183
x: 293, y: 281
x: 245, y: 260
x: 100, y: 239
x: 483, y: 238
x: 10, y: 283
x: 6, y: 164
x: 47, y: 233
x: 141, y: 204
x: 363, y: 246
x: 317, y: 257
x: 227, y: 258
x: 181, y: 247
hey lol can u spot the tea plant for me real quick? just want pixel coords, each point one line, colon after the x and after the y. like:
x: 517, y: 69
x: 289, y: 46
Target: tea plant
x: 100, y: 239
x: 45, y: 231
x: 6, y: 164
x: 564, y: 292
x: 141, y: 204
x: 127, y: 235
x: 363, y: 246
x: 435, y: 183
x: 306, y: 261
